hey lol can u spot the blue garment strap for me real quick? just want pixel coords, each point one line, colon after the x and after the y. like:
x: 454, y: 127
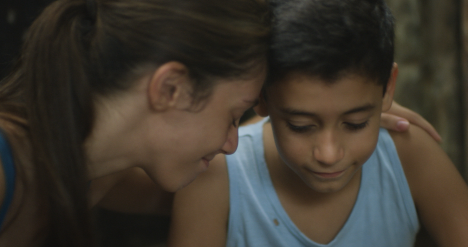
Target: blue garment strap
x: 9, y: 170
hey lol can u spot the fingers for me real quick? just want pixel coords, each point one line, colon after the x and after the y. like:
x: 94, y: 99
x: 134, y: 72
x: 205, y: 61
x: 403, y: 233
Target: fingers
x: 393, y: 122
x: 397, y: 113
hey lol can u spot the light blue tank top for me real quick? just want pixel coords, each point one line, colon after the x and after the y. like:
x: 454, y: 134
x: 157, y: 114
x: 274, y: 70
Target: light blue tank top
x: 384, y: 214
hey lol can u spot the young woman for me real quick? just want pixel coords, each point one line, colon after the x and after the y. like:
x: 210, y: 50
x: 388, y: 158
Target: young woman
x: 107, y: 88
x: 106, y: 85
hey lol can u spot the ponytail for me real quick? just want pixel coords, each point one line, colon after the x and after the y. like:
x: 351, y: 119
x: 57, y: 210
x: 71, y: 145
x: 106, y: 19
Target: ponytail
x: 59, y: 109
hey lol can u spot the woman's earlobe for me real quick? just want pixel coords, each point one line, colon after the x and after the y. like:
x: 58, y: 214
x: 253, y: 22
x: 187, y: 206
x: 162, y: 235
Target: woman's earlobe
x: 168, y: 86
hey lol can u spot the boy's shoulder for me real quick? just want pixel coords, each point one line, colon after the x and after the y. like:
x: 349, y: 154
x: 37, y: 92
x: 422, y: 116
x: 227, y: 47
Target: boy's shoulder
x: 414, y: 135
x: 438, y: 190
x: 414, y: 147
x: 205, y: 200
x: 417, y: 151
x: 213, y: 180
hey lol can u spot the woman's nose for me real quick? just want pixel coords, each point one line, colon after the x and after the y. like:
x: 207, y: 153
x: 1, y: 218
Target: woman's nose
x: 232, y: 140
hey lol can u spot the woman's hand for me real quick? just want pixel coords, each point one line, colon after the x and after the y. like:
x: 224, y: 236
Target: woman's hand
x: 398, y: 118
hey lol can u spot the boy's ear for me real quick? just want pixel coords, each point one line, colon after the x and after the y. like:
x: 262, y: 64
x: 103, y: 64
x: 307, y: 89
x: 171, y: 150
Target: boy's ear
x: 261, y: 108
x: 169, y: 86
x: 388, y: 96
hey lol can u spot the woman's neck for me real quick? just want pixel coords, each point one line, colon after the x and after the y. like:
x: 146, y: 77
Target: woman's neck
x: 113, y: 144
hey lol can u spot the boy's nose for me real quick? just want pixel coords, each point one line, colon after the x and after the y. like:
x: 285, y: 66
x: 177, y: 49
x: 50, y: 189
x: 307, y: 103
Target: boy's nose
x: 328, y: 151
x: 232, y: 140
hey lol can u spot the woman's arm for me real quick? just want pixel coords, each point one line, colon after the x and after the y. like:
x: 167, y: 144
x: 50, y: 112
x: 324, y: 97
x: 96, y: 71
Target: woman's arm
x: 439, y: 192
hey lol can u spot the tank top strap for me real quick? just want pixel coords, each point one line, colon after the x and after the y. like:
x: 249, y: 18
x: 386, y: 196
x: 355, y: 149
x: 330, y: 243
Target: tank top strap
x: 6, y: 157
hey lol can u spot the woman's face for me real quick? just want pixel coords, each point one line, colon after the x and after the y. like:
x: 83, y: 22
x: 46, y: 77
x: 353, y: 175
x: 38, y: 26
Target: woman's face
x: 183, y: 148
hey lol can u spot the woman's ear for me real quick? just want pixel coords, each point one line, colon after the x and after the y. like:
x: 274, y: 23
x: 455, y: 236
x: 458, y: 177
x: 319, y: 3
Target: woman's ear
x: 390, y: 91
x: 261, y: 108
x: 169, y: 86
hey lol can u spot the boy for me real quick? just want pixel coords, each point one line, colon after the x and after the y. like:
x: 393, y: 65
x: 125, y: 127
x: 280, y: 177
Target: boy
x: 319, y: 171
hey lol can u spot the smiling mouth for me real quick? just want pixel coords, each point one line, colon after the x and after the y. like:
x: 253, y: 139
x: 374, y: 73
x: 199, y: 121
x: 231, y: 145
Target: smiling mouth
x: 206, y: 161
x: 328, y: 174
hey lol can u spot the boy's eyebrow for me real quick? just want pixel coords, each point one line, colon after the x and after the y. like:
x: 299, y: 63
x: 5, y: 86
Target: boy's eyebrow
x: 290, y: 111
x: 366, y: 107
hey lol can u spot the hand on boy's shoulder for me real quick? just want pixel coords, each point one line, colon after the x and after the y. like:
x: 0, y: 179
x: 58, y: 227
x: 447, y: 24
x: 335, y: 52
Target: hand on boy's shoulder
x: 438, y: 190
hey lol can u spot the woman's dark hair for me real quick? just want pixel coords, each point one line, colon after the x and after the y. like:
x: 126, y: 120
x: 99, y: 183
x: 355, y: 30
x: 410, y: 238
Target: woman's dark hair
x: 79, y: 49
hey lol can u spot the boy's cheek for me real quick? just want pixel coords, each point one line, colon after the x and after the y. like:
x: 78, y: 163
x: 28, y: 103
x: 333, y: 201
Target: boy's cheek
x: 293, y: 149
x: 364, y: 145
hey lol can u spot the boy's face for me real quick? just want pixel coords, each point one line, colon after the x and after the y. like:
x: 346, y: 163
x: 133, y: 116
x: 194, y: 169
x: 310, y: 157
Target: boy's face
x: 326, y: 131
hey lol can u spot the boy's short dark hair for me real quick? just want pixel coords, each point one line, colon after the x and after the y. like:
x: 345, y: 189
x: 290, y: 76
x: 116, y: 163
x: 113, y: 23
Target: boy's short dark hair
x: 330, y: 38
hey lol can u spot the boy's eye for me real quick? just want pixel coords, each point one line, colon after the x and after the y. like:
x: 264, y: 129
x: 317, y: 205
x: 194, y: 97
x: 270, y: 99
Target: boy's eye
x: 355, y: 127
x: 299, y: 129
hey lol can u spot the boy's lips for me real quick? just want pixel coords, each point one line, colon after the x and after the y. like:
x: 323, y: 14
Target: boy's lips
x: 329, y: 174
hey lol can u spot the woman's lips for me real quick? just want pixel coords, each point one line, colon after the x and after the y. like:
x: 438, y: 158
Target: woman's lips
x: 206, y: 161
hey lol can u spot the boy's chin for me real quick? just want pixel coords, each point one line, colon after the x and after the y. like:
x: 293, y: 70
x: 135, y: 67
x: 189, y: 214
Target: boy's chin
x: 328, y: 190
x: 327, y: 187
